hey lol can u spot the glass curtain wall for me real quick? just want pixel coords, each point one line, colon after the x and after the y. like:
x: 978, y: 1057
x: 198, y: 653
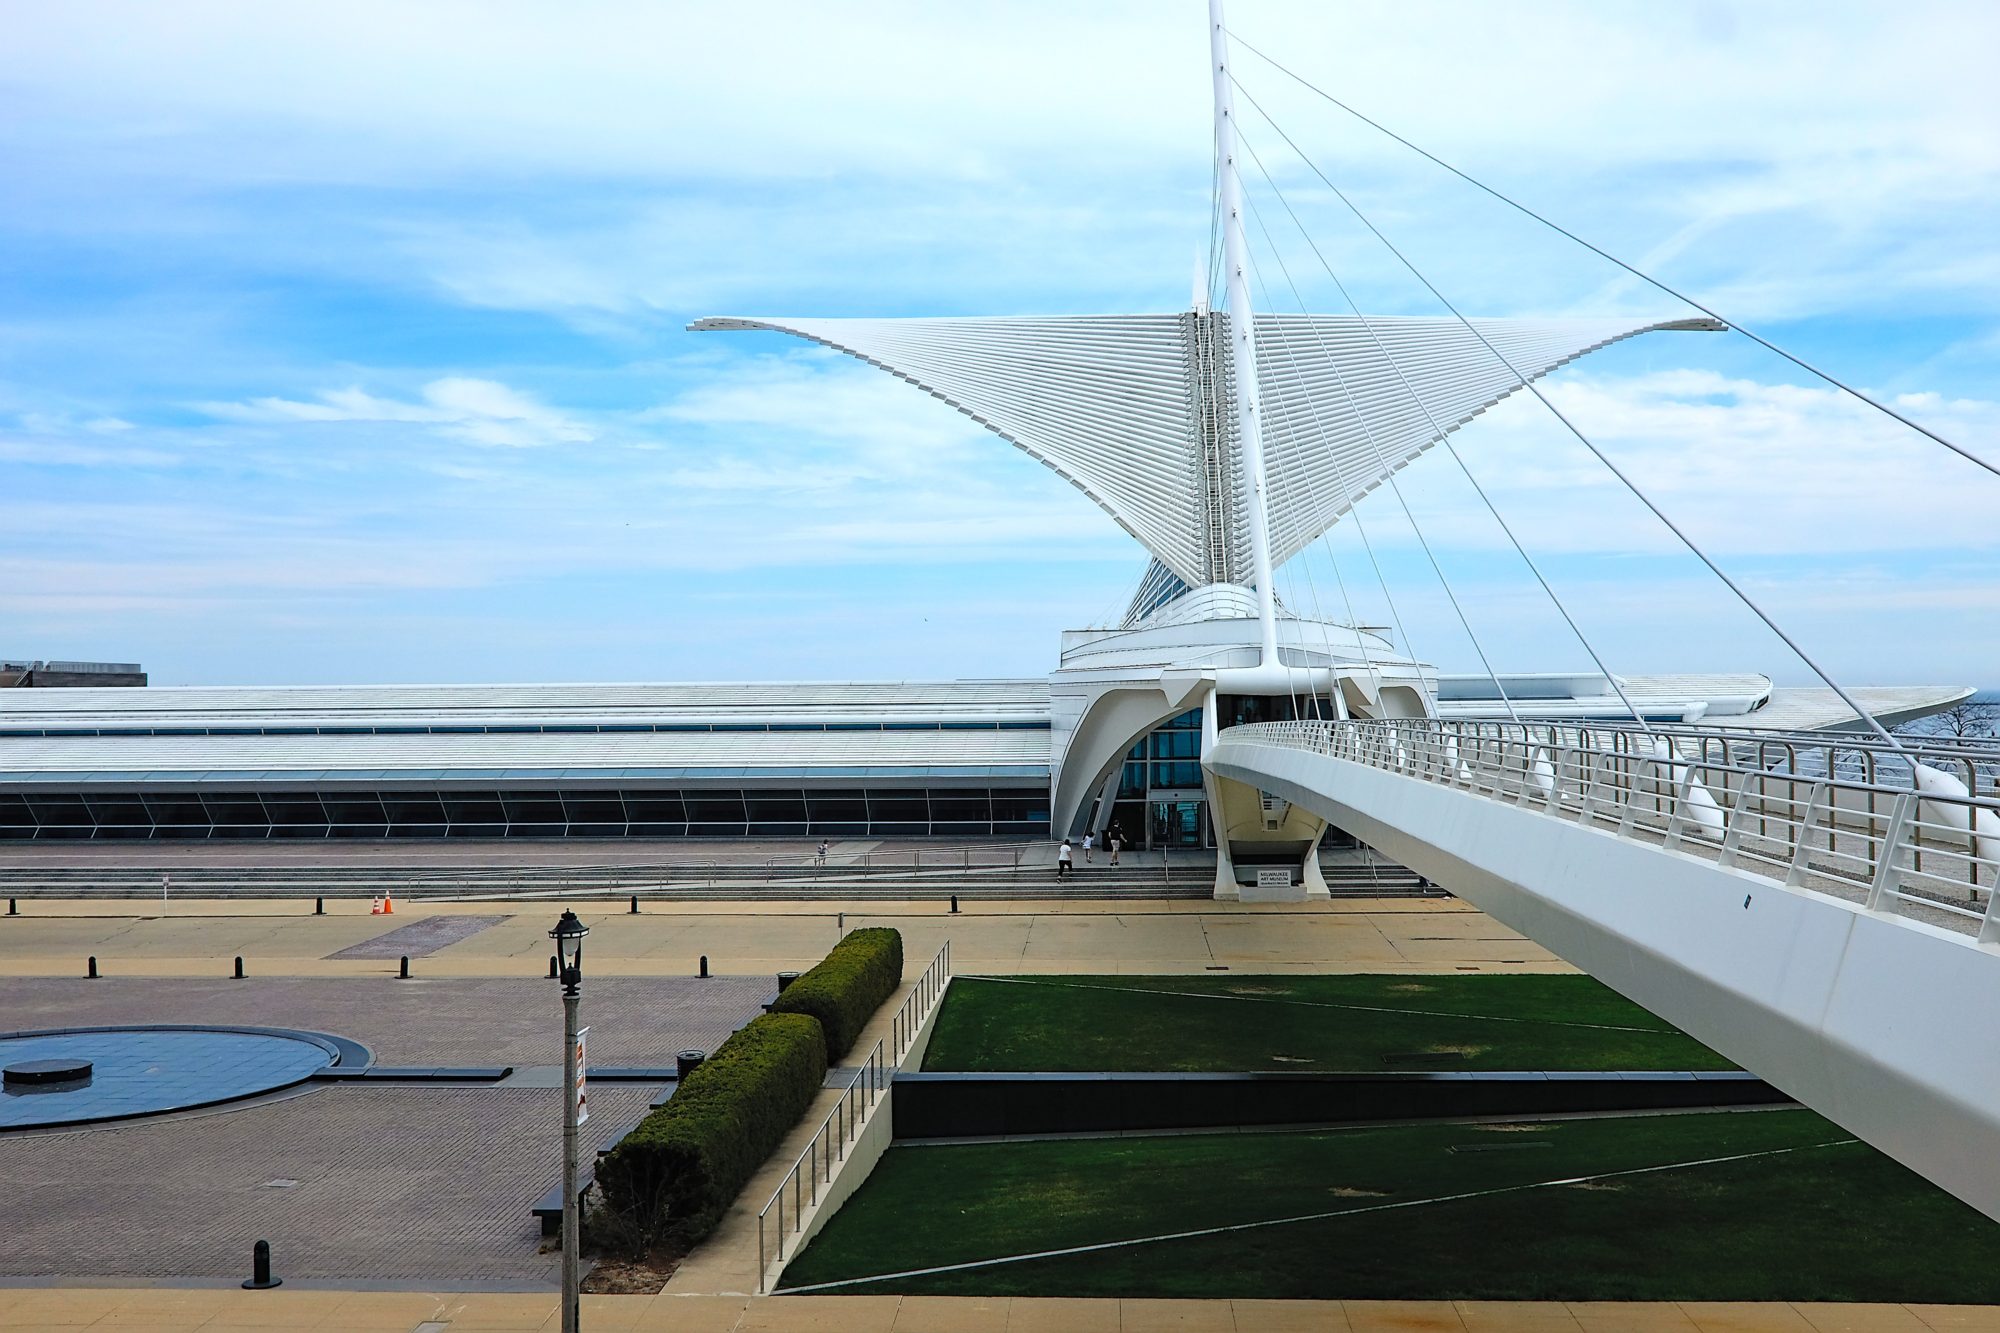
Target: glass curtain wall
x: 556, y: 813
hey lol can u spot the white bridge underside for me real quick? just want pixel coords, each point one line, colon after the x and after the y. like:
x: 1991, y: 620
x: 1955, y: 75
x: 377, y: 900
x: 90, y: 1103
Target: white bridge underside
x: 1881, y: 1023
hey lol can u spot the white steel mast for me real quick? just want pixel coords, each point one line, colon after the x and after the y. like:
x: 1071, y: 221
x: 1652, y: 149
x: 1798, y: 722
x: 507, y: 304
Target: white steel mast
x: 1243, y: 339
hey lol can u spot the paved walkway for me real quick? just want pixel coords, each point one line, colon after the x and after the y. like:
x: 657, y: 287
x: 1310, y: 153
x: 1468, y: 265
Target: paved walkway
x: 136, y: 938
x: 366, y: 1312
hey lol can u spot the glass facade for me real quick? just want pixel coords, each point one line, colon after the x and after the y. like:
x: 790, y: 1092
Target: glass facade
x: 552, y: 813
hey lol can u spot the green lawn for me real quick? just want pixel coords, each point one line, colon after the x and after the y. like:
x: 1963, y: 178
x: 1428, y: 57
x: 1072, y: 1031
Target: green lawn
x: 1347, y: 1023
x: 1834, y: 1223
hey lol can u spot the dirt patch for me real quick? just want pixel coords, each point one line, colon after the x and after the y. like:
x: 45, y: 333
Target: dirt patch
x: 1355, y: 1192
x: 1411, y: 988
x: 1257, y: 990
x: 1511, y: 1129
x: 629, y: 1277
x: 1600, y: 1186
x: 1456, y: 1050
x: 1294, y: 1059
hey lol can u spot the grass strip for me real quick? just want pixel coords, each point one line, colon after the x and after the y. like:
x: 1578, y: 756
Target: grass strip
x: 1843, y: 1223
x: 1363, y: 1023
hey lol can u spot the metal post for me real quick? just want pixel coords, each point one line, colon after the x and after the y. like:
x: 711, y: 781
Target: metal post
x: 571, y: 1208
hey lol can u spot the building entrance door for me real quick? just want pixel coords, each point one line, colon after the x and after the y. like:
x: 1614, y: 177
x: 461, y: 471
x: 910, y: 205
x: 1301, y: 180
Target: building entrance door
x: 1176, y: 824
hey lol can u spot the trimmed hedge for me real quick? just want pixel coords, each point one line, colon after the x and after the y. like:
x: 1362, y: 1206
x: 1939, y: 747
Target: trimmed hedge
x: 682, y: 1166
x: 848, y: 986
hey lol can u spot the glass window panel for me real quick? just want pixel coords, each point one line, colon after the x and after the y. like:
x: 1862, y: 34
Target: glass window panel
x: 837, y: 807
x: 825, y: 828
x: 776, y: 807
x: 898, y: 807
x: 473, y: 807
x: 15, y: 813
x: 593, y: 807
x: 60, y: 810
x: 176, y: 810
x: 654, y: 807
x: 295, y: 809
x: 406, y: 808
x: 354, y: 810
x: 533, y: 807
x: 766, y: 829
x: 714, y: 807
x: 715, y: 830
x: 960, y: 807
x: 117, y: 810
x: 656, y: 830
x: 239, y: 809
x: 1021, y: 805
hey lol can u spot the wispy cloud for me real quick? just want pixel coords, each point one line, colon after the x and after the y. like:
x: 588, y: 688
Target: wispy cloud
x: 474, y: 410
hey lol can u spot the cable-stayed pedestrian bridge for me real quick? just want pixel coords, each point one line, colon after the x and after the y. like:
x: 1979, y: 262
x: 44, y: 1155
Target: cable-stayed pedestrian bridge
x: 1819, y: 909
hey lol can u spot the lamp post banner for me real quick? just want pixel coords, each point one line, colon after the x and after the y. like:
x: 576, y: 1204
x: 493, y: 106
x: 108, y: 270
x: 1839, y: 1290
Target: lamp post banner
x: 582, y: 1099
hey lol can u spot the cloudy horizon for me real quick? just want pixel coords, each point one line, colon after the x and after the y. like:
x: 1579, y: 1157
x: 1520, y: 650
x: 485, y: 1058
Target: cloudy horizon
x: 348, y: 345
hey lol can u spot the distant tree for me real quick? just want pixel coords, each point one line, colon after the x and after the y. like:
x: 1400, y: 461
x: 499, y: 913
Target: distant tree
x: 1966, y: 720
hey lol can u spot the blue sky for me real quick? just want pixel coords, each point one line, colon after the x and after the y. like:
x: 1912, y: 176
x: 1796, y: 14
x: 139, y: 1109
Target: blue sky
x: 345, y: 343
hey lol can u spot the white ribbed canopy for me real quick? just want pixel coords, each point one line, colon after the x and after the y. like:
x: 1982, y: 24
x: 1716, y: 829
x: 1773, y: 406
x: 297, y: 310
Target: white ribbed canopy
x: 1114, y: 403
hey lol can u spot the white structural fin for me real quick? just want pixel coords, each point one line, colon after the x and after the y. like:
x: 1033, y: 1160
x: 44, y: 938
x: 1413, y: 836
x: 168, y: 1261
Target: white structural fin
x: 1116, y: 404
x: 1339, y: 418
x: 1101, y: 399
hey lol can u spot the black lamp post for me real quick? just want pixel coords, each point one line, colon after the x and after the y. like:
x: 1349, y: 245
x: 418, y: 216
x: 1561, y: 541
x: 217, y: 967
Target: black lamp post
x: 568, y: 935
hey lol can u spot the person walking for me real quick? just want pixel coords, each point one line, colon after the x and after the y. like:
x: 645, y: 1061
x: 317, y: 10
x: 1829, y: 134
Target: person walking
x: 1117, y: 840
x: 1065, y: 860
x: 820, y: 855
x: 1089, y: 841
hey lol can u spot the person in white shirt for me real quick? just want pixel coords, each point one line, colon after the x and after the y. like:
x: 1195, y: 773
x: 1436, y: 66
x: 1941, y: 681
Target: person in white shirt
x: 1089, y: 841
x: 1065, y: 860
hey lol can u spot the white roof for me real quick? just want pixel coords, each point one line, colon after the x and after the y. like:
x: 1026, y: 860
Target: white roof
x: 832, y: 732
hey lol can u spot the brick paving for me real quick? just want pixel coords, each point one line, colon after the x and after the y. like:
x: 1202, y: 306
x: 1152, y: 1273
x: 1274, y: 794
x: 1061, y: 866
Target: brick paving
x: 394, y: 1183
x: 402, y: 1183
x: 471, y: 1021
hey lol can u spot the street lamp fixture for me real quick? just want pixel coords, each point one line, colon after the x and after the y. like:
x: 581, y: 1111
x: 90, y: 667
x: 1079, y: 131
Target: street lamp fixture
x: 568, y: 935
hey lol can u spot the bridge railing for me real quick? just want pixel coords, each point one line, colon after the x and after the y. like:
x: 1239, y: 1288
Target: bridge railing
x: 1895, y: 832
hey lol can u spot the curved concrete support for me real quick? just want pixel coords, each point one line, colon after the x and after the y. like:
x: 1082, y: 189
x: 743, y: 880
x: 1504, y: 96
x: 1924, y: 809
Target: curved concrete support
x: 1881, y: 1023
x: 1112, y: 722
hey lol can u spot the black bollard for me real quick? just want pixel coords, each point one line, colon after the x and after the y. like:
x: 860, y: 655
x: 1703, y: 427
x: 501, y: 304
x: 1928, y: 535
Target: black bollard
x: 704, y: 967
x: 404, y: 975
x: 13, y: 908
x: 319, y: 907
x: 634, y: 910
x: 785, y: 979
x: 954, y: 904
x: 686, y: 1061
x: 239, y: 967
x: 260, y: 1269
x: 92, y: 974
x: 552, y: 967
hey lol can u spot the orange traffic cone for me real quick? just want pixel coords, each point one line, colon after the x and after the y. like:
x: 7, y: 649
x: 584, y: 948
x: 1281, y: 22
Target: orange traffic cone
x: 388, y: 905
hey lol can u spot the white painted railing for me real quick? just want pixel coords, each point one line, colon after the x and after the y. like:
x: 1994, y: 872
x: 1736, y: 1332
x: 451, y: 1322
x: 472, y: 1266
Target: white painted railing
x: 777, y: 1223
x: 1898, y: 831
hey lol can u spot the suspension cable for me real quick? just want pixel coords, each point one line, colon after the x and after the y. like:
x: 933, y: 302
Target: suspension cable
x: 1312, y: 489
x: 1641, y: 274
x: 1442, y: 435
x: 1867, y: 718
x: 1430, y: 555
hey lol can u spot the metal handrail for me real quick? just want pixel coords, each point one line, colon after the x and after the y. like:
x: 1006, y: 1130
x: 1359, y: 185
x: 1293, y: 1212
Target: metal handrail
x: 1002, y: 856
x: 849, y: 1116
x: 1877, y: 838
